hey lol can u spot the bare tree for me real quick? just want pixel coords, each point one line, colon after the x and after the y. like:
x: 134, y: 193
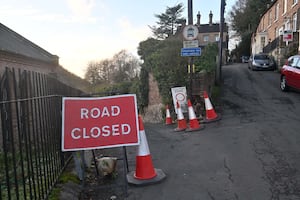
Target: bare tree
x: 122, y: 67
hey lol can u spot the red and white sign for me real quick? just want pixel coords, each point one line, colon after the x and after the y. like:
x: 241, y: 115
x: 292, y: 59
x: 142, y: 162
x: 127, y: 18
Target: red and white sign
x: 101, y: 122
x: 179, y: 95
x: 190, y: 32
x: 288, y: 36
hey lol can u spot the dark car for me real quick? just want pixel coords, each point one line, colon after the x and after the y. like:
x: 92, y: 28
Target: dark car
x: 245, y: 59
x: 261, y: 62
x: 290, y: 73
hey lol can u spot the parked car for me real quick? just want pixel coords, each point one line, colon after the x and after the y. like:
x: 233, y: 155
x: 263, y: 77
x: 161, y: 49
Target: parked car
x: 290, y: 73
x: 245, y: 59
x: 261, y: 62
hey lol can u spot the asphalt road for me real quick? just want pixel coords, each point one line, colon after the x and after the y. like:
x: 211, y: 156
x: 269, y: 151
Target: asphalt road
x: 253, y: 153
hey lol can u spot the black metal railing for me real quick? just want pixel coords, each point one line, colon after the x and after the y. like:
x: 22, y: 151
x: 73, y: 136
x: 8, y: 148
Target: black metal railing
x: 272, y: 45
x: 278, y: 42
x: 31, y: 159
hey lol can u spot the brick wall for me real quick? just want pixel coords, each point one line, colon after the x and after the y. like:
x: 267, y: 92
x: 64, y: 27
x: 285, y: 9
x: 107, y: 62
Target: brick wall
x: 275, y: 18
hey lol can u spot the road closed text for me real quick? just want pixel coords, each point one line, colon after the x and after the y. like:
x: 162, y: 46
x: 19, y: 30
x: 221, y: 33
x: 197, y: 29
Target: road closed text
x: 97, y: 132
x: 99, y: 122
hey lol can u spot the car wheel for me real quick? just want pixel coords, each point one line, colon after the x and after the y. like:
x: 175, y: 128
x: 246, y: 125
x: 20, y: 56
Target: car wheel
x: 283, y: 84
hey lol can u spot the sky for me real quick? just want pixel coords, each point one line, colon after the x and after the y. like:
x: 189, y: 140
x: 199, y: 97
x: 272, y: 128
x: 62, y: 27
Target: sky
x: 82, y: 31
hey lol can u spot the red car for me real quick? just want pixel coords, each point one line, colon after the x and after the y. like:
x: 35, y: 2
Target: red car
x: 290, y: 74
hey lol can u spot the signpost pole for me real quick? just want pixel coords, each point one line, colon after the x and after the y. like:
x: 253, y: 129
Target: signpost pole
x: 190, y: 63
x: 220, y: 60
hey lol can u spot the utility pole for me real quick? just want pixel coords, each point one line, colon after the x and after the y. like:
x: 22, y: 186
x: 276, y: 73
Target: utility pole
x: 222, y: 21
x: 190, y: 12
x: 190, y: 59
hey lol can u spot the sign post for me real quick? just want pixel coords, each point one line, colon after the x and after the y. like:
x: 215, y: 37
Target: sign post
x: 287, y: 36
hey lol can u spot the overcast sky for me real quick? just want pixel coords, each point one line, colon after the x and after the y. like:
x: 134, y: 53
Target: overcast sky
x: 79, y: 31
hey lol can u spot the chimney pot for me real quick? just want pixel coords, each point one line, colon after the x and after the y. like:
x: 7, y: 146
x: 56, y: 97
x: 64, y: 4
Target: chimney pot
x: 198, y: 18
x: 210, y: 18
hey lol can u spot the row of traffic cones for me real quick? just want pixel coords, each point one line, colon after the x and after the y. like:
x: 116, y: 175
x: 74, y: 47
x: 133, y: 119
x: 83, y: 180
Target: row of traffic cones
x: 145, y: 173
x: 194, y: 124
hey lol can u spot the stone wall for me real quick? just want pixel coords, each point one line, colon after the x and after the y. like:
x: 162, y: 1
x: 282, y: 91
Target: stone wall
x: 153, y: 113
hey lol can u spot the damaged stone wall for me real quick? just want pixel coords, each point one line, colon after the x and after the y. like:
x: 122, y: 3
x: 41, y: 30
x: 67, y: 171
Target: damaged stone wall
x: 153, y: 113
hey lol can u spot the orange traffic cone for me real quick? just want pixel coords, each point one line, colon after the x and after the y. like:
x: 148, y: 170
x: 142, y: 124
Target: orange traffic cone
x: 194, y: 125
x: 181, y: 123
x: 144, y: 172
x: 168, y: 116
x: 211, y: 115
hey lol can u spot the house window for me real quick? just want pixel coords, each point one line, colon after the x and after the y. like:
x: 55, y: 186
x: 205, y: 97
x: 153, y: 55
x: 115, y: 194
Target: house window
x: 284, y: 6
x: 287, y: 25
x: 262, y: 41
x: 270, y: 18
x: 263, y: 24
x: 206, y: 38
x: 217, y: 37
x: 276, y: 12
x: 295, y: 2
x: 295, y: 22
x: 280, y: 31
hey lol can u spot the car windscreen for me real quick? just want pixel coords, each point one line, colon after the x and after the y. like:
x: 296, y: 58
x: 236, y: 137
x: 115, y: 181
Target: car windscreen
x: 261, y: 57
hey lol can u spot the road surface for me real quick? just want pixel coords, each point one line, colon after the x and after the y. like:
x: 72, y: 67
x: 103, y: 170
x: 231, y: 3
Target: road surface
x: 253, y: 153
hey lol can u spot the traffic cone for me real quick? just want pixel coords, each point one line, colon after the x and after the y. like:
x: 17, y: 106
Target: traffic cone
x: 168, y: 116
x: 194, y: 124
x: 144, y: 172
x: 181, y: 123
x: 210, y: 114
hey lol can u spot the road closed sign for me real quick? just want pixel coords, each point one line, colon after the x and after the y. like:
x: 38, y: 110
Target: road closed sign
x: 101, y: 122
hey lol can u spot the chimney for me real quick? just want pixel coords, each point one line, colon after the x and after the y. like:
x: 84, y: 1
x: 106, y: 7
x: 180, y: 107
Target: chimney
x: 198, y: 18
x: 183, y: 23
x: 210, y: 18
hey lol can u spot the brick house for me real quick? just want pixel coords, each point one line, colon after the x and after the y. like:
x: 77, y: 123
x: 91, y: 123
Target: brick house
x: 210, y: 33
x: 280, y: 17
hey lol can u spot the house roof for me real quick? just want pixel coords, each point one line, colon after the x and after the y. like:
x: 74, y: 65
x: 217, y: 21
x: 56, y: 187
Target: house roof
x: 207, y: 28
x: 13, y: 42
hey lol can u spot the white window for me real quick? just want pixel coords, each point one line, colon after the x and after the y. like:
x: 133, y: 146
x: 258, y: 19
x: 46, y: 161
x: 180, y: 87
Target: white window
x: 280, y: 31
x: 287, y: 25
x: 270, y: 18
x: 276, y: 11
x: 284, y: 6
x: 217, y: 37
x: 262, y: 41
x: 295, y: 2
x: 206, y: 38
x: 295, y: 22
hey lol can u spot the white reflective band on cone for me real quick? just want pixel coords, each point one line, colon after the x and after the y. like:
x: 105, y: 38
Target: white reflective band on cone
x: 208, y: 105
x: 192, y: 114
x: 180, y: 115
x: 168, y: 113
x: 143, y: 148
